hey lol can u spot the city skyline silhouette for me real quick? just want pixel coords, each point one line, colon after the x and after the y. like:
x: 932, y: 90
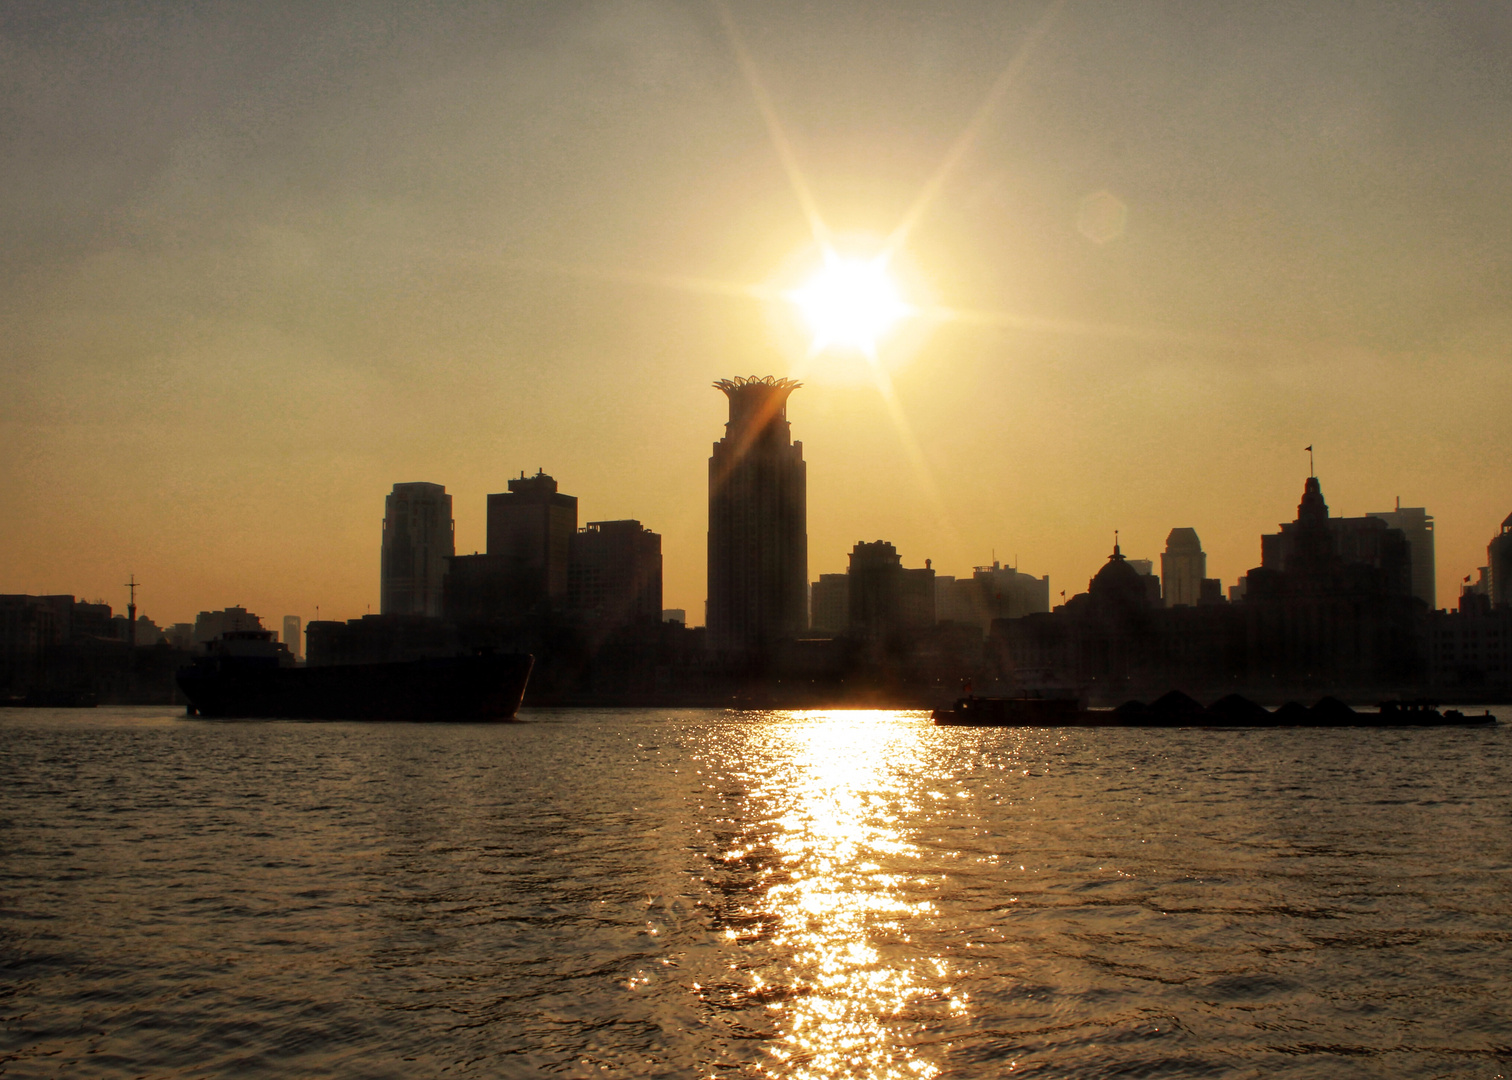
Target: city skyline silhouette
x: 245, y: 305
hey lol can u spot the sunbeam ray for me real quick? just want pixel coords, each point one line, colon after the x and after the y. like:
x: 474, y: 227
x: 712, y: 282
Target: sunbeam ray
x: 963, y: 142
x: 915, y: 452
x: 774, y: 128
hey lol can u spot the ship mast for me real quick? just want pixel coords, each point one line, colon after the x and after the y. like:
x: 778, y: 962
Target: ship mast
x: 131, y: 611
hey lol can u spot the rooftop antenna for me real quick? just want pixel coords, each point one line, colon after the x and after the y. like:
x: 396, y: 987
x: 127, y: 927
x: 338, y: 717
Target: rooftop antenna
x: 131, y: 611
x: 1312, y: 472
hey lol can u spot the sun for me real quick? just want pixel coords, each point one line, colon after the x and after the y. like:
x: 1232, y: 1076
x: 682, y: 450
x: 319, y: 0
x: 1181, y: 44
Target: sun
x: 849, y: 303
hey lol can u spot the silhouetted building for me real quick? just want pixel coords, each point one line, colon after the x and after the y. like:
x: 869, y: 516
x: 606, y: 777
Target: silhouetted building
x: 209, y: 625
x: 1477, y: 592
x: 957, y: 600
x: 418, y: 538
x: 485, y: 588
x: 829, y: 604
x: 31, y: 627
x: 293, y: 637
x: 758, y: 526
x: 1008, y: 593
x: 614, y: 573
x: 525, y: 572
x: 147, y: 631
x: 1470, y: 650
x: 1499, y: 556
x: 1317, y: 544
x: 1330, y: 609
x: 675, y: 615
x: 379, y: 639
x: 530, y: 528
x: 1145, y: 568
x: 1416, y: 525
x: 992, y: 592
x: 1331, y: 603
x: 1183, y: 566
x: 180, y: 636
x: 90, y: 621
x: 889, y: 605
x: 55, y: 650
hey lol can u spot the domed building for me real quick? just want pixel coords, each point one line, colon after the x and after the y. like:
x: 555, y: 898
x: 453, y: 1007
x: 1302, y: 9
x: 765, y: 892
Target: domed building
x: 1118, y: 586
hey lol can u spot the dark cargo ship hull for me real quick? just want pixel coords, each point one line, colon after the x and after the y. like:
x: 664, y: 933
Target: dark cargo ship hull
x: 486, y: 687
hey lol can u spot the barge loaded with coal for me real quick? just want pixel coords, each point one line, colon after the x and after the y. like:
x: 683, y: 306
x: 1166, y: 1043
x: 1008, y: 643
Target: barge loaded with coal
x: 245, y: 674
x: 1176, y: 709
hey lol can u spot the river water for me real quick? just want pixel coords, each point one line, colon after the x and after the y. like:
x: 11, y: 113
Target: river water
x: 718, y: 894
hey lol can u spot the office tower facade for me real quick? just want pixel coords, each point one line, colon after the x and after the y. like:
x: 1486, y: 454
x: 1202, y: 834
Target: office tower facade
x: 615, y: 573
x: 1499, y: 558
x: 293, y: 637
x: 1417, y: 526
x: 418, y: 538
x: 829, y: 604
x: 1183, y: 565
x: 888, y: 603
x: 758, y: 522
x: 1009, y: 593
x: 530, y: 530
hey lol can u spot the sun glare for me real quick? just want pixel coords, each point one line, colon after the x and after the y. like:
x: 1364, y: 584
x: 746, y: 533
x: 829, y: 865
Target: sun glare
x: 849, y: 303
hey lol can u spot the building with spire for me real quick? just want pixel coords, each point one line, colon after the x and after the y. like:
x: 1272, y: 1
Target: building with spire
x: 758, y: 522
x: 418, y: 538
x: 1330, y: 609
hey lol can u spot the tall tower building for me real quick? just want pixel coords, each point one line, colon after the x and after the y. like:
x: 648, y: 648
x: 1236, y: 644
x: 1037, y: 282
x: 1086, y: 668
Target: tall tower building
x: 758, y: 521
x: 418, y: 538
x: 530, y: 528
x: 1183, y: 565
x: 1499, y: 555
x: 616, y: 573
x: 292, y: 637
x: 1416, y: 524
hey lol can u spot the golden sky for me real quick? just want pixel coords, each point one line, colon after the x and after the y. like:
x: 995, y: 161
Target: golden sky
x: 260, y: 262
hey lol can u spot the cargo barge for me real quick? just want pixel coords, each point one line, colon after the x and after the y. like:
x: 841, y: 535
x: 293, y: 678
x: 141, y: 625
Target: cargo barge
x: 1176, y: 709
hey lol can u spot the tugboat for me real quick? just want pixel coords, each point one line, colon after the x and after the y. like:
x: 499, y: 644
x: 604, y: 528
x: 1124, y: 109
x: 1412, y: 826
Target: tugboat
x: 246, y: 674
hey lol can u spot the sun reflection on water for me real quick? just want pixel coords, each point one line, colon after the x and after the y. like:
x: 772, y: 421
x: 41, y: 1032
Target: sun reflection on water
x: 843, y: 902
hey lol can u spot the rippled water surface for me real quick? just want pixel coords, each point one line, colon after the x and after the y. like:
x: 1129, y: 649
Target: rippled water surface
x: 701, y: 893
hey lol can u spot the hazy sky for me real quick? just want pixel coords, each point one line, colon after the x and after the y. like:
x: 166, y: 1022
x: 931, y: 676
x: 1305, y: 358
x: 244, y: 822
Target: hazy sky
x: 258, y: 262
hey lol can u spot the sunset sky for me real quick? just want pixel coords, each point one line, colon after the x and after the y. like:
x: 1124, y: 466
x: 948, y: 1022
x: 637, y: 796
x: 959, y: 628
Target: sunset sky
x: 258, y: 262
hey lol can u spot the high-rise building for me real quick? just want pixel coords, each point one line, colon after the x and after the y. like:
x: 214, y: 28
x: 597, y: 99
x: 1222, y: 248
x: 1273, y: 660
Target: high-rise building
x: 530, y: 529
x: 758, y: 522
x: 1417, y: 525
x: 615, y: 573
x: 1183, y: 565
x: 888, y: 603
x: 1499, y: 556
x: 829, y: 604
x: 1317, y: 540
x: 992, y: 592
x: 1145, y: 568
x: 292, y: 636
x: 418, y: 538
